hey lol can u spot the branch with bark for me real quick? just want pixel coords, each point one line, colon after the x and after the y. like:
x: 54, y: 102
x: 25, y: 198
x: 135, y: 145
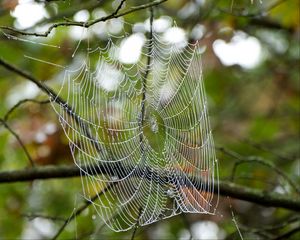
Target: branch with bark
x: 225, y: 188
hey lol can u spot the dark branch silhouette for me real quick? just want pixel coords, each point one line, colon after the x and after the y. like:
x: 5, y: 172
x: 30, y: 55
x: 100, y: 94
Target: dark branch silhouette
x: 115, y: 14
x: 254, y: 159
x: 82, y: 208
x: 20, y: 103
x: 225, y: 188
x: 5, y: 125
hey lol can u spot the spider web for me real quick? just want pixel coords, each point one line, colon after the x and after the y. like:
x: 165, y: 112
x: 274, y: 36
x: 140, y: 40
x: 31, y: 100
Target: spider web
x: 143, y: 127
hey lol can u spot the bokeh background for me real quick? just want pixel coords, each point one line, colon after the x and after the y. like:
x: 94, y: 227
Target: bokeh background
x: 250, y: 57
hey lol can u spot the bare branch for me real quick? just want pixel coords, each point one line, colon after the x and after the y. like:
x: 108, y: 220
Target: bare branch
x: 271, y: 230
x: 254, y: 159
x: 51, y: 93
x: 68, y: 12
x: 38, y: 83
x: 18, y: 104
x: 267, y: 164
x: 32, y: 216
x: 288, y: 234
x: 82, y: 208
x: 136, y: 224
x: 226, y: 189
x: 4, y: 123
x: 262, y: 12
x: 261, y: 147
x: 87, y: 24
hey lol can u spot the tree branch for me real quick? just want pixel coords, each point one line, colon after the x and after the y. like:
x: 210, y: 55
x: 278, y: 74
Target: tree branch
x: 87, y: 24
x: 38, y: 83
x: 32, y: 216
x: 253, y: 159
x: 261, y: 147
x: 21, y: 102
x: 82, y: 208
x: 51, y: 93
x: 288, y: 234
x: 5, y: 125
x: 261, y: 12
x: 225, y: 189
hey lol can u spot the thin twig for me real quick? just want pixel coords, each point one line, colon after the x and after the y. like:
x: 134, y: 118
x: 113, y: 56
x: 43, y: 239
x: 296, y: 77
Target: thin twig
x: 270, y: 231
x: 137, y: 223
x: 288, y: 234
x: 254, y: 159
x: 265, y: 149
x: 143, y: 103
x: 32, y: 216
x: 53, y: 96
x: 99, y: 229
x: 4, y: 123
x: 144, y: 82
x: 42, y: 86
x: 85, y: 24
x: 82, y: 208
x: 234, y: 219
x: 252, y: 15
x: 18, y: 104
x: 68, y: 12
x: 134, y: 231
x: 267, y: 164
x: 283, y: 223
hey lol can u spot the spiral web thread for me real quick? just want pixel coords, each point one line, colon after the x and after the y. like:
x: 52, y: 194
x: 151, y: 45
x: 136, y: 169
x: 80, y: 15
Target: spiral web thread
x: 161, y: 165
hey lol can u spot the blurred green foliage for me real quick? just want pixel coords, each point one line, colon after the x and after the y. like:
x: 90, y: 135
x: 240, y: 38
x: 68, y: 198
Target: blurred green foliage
x: 254, y: 112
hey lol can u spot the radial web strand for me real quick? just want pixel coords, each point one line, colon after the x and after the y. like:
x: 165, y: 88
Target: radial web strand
x: 164, y: 167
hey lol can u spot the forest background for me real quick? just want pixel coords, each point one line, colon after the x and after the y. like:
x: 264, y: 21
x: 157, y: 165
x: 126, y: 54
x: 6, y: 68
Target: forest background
x: 250, y: 57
